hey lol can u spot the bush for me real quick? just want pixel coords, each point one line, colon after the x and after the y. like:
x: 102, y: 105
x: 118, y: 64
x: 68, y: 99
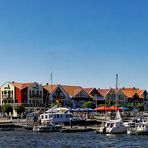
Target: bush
x: 140, y: 107
x: 6, y: 108
x: 89, y: 105
x: 20, y: 109
x: 130, y: 106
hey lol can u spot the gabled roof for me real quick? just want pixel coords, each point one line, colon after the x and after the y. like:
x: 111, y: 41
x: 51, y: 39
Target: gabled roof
x: 139, y: 92
x: 130, y: 92
x: 103, y: 92
x: 20, y: 85
x: 72, y: 90
x: 128, y: 88
x: 51, y: 88
x: 88, y: 90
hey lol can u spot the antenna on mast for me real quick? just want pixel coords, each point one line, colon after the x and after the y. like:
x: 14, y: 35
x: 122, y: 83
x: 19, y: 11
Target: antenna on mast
x: 51, y: 78
x: 117, y: 81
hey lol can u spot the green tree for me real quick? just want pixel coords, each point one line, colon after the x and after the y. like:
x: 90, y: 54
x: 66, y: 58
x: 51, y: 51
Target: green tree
x: 54, y: 104
x: 130, y: 106
x: 20, y: 109
x: 89, y: 105
x: 140, y: 107
x: 6, y: 108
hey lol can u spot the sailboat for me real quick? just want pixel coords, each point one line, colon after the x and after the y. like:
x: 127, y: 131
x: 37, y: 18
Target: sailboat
x: 115, y: 126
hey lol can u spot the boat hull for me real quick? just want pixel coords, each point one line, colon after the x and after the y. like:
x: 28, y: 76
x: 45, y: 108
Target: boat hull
x: 116, y: 130
x: 130, y: 132
x: 46, y: 128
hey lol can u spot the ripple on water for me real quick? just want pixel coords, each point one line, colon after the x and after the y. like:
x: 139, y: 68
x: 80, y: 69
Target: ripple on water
x: 29, y: 139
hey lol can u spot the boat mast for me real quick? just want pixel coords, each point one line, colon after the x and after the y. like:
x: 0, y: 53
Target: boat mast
x: 116, y: 88
x: 47, y: 96
x: 51, y: 79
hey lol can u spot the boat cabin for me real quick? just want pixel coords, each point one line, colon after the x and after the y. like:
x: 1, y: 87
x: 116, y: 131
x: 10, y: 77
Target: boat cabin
x: 56, y: 117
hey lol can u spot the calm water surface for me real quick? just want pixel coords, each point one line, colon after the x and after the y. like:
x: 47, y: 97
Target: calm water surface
x: 29, y: 139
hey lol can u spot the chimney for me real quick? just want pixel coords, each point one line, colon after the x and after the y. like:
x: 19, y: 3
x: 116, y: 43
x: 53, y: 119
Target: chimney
x: 46, y: 83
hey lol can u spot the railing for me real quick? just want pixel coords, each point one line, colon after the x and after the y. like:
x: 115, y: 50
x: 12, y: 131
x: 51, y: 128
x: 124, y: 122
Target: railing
x: 35, y: 96
x: 7, y: 96
x: 26, y: 105
x: 99, y: 98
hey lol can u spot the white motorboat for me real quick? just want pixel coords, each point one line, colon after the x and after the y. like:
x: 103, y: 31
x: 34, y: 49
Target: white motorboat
x: 47, y: 128
x: 56, y: 118
x: 138, y: 129
x: 135, y: 121
x: 115, y: 126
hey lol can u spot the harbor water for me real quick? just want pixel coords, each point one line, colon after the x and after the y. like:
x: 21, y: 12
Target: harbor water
x: 29, y: 139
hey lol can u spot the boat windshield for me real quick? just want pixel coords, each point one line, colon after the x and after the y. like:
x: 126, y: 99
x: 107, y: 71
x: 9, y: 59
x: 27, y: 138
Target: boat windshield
x: 132, y: 125
x: 110, y: 124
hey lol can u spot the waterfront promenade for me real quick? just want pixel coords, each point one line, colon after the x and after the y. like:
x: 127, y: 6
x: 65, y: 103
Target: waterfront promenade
x: 90, y: 123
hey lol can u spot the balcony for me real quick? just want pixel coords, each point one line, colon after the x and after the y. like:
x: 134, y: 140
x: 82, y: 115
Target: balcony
x: 34, y: 105
x: 98, y: 98
x: 35, y: 96
x: 7, y: 96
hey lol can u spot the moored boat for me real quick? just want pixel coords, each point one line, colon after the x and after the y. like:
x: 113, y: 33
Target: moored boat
x: 138, y: 129
x: 134, y: 121
x: 56, y: 118
x: 49, y: 127
x: 115, y: 126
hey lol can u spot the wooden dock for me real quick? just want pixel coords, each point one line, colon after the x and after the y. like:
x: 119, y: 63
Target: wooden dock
x: 76, y: 129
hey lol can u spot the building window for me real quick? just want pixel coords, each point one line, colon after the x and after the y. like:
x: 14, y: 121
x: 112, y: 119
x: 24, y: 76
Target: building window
x: 40, y: 94
x: 12, y: 93
x: 37, y: 93
x: 42, y: 116
x: 30, y: 93
x: 33, y: 93
x: 81, y: 94
x: 9, y: 93
x: 46, y: 116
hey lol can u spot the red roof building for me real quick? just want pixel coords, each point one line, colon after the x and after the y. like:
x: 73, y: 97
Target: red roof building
x: 67, y: 95
x: 28, y: 94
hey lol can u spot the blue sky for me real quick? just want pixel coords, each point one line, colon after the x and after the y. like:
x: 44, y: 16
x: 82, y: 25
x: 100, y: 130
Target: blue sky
x: 83, y: 42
